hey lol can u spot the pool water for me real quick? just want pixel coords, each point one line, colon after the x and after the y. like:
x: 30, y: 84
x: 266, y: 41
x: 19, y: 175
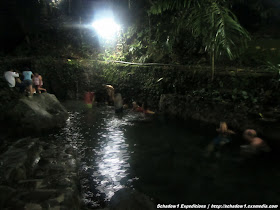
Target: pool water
x: 162, y: 158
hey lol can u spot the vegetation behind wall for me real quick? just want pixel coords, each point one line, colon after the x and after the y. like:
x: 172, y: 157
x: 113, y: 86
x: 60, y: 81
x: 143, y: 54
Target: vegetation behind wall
x: 69, y: 79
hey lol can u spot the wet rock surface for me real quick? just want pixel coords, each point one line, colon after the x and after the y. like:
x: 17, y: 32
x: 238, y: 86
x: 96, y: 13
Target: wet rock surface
x: 38, y: 175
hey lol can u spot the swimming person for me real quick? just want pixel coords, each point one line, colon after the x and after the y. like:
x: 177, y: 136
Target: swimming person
x: 222, y: 138
x: 256, y: 145
x: 136, y: 107
x: 146, y: 110
x: 143, y: 108
x: 224, y: 134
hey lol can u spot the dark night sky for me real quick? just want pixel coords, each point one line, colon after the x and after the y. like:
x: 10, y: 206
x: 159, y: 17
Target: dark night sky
x: 11, y: 16
x: 14, y: 13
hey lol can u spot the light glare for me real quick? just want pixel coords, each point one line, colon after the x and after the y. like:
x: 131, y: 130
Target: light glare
x: 106, y: 28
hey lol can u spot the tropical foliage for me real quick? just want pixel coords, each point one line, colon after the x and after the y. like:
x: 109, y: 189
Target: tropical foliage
x: 210, y: 21
x: 164, y: 31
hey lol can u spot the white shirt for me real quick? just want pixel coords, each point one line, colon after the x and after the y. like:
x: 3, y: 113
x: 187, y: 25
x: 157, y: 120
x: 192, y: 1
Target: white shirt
x: 10, y: 77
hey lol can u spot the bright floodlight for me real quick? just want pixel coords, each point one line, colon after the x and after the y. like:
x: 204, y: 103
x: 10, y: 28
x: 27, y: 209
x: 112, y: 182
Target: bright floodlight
x: 106, y: 28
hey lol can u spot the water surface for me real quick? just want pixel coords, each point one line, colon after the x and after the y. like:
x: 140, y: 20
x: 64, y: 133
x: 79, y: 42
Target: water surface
x: 162, y: 158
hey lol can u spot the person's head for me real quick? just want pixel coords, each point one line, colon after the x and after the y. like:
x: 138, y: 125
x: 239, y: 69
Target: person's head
x: 26, y: 69
x: 36, y: 75
x: 223, y: 126
x: 249, y: 134
x: 134, y: 105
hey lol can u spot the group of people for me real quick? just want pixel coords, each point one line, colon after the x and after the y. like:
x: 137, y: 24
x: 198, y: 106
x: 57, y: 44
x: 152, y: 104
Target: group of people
x: 26, y: 82
x: 255, y: 145
x: 119, y: 105
x: 117, y: 101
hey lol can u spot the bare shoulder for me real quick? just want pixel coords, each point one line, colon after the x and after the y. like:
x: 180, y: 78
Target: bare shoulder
x: 231, y: 131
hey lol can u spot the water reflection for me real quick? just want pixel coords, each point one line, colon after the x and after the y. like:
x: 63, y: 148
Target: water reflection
x: 112, y: 157
x: 72, y: 132
x: 166, y: 156
x: 99, y: 139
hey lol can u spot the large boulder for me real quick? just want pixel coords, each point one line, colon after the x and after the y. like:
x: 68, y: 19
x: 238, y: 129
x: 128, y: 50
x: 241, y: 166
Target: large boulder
x: 41, y: 112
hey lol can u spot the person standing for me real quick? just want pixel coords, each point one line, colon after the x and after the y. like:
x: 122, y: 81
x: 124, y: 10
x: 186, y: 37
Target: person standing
x: 89, y: 99
x: 118, y: 103
x: 10, y: 77
x: 111, y: 94
x: 27, y: 80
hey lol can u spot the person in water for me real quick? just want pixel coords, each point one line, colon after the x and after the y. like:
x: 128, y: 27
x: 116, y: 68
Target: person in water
x: 89, y: 99
x: 111, y: 94
x: 256, y: 145
x: 136, y: 107
x: 222, y: 138
x: 143, y: 108
x: 146, y: 110
x: 118, y: 103
x: 224, y: 134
